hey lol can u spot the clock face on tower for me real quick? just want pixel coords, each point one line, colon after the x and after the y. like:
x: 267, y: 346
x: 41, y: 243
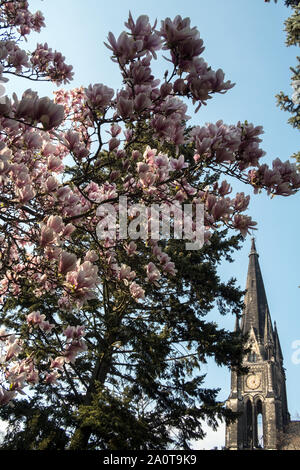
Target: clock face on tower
x: 253, y: 381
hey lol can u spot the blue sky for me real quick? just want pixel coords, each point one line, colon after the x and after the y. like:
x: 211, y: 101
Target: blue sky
x: 246, y: 39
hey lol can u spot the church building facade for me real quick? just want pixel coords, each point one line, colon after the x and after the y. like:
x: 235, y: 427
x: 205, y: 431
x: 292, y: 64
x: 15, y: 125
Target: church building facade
x: 260, y: 395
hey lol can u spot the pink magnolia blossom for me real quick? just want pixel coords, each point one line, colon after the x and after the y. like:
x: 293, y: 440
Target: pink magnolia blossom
x: 67, y: 262
x: 177, y: 30
x: 221, y: 208
x: 131, y: 248
x: 153, y: 273
x: 99, y: 96
x: 48, y: 236
x: 51, y: 64
x: 48, y: 113
x: 26, y: 193
x: 126, y: 274
x: 51, y: 184
x: 53, y: 252
x: 178, y: 164
x: 46, y: 327
x: 74, y: 332
x: 14, y: 347
x: 115, y: 130
x: 54, y: 163
x: 142, y: 167
x: 162, y: 162
x: 6, y: 396
x: 58, y: 363
x: 124, y: 107
x: 91, y: 256
x: 243, y: 223
x: 83, y: 280
x: 224, y: 188
x: 241, y: 202
x: 18, y: 58
x: 142, y: 26
x: 19, y: 16
x: 55, y: 222
x: 67, y: 231
x: 113, y: 144
x: 51, y: 378
x: 125, y: 48
x: 72, y: 139
x: 73, y: 349
x: 32, y: 377
x: 169, y: 267
x: 136, y: 291
x: 142, y: 102
x: 39, y: 109
x: 36, y: 319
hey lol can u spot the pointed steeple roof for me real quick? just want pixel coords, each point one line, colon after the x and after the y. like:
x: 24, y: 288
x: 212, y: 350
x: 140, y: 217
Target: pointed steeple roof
x: 237, y: 324
x: 256, y: 305
x: 278, y: 350
x: 268, y: 333
x: 253, y: 248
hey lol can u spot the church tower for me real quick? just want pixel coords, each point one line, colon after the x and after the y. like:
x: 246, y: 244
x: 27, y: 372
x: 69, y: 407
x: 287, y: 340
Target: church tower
x: 260, y: 395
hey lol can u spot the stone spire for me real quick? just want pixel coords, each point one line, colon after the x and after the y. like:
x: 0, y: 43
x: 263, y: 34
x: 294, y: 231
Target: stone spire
x: 237, y: 324
x: 269, y: 341
x: 263, y: 390
x: 256, y: 305
x: 277, y: 344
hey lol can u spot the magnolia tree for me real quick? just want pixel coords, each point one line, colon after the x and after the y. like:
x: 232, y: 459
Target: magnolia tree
x: 84, y: 179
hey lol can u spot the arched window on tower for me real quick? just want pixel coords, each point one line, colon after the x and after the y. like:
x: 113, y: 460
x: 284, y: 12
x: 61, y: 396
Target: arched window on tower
x: 259, y: 425
x: 249, y: 426
x: 252, y: 357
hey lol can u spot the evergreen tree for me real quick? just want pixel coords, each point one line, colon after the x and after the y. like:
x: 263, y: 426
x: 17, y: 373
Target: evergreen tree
x: 141, y: 385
